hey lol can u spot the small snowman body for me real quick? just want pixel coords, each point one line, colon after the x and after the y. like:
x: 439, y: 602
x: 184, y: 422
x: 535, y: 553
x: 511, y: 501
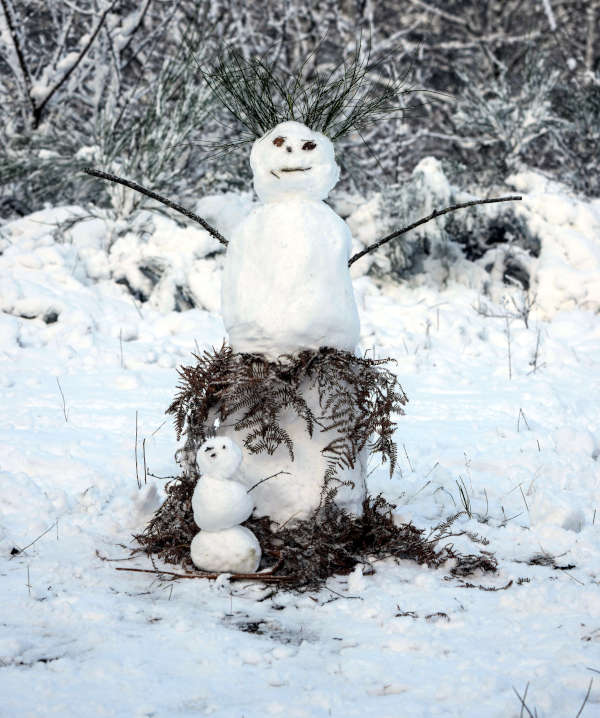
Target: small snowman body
x: 220, y: 504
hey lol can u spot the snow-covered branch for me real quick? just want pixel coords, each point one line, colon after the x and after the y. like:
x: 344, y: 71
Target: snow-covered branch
x: 44, y: 93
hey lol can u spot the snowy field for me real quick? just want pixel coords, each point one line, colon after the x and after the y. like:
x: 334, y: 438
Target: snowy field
x: 503, y: 423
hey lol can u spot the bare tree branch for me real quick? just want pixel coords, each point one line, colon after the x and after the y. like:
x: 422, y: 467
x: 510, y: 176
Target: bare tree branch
x: 159, y: 198
x: 418, y: 223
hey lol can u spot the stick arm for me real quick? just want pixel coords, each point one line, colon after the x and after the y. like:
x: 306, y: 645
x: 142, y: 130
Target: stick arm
x: 433, y: 215
x: 159, y: 198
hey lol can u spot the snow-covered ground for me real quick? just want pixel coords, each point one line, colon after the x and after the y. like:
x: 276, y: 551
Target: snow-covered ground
x: 504, y: 413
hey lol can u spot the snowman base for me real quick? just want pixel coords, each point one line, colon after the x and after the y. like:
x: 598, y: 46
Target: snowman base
x: 234, y: 550
x: 305, y: 420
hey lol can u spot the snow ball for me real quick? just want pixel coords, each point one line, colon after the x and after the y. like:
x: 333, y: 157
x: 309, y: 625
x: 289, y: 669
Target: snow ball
x: 219, y: 457
x: 356, y: 580
x: 220, y: 503
x: 292, y: 159
x: 234, y: 550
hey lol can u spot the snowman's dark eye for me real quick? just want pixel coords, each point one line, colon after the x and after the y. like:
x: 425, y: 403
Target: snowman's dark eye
x: 309, y: 146
x: 278, y: 141
x: 223, y: 445
x: 208, y: 448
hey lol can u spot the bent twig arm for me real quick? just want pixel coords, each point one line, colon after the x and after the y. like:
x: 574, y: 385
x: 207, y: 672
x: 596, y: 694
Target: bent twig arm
x: 153, y: 195
x: 433, y: 215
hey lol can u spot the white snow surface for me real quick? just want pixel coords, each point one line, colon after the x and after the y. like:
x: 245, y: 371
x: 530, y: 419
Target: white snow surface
x: 83, y: 364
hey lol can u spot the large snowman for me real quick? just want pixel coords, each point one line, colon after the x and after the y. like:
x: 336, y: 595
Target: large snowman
x: 286, y: 285
x: 287, y: 288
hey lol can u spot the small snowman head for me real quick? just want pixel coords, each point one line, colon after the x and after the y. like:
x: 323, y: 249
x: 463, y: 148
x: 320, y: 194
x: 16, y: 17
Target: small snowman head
x: 292, y: 159
x: 219, y: 457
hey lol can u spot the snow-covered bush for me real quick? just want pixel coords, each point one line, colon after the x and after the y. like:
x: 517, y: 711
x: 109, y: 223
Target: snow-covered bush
x: 543, y: 250
x: 497, y: 239
x: 576, y: 141
x: 501, y: 122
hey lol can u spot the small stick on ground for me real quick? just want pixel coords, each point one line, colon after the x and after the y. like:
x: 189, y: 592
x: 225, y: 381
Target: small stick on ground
x: 29, y: 545
x: 407, y: 457
x: 524, y: 499
x: 144, y: 460
x: 267, y: 577
x: 521, y: 414
x: 431, y: 470
x: 585, y: 700
x: 536, y: 354
x: 64, y: 404
x: 137, y: 309
x: 523, y: 704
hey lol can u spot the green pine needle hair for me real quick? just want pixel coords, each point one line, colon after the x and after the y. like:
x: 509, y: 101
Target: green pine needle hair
x: 349, y: 97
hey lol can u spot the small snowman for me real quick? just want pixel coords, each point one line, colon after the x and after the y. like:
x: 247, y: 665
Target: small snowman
x: 220, y: 504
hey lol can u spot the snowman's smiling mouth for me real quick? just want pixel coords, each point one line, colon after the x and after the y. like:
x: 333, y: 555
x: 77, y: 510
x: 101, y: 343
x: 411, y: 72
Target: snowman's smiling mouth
x: 290, y: 169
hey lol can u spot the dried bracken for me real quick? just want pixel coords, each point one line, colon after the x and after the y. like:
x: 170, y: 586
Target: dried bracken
x: 309, y: 552
x: 358, y: 398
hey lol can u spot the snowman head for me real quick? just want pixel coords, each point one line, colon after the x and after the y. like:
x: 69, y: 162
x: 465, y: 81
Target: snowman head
x: 293, y: 160
x: 219, y: 457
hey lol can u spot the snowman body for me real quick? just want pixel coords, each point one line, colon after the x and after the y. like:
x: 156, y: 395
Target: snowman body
x: 220, y: 504
x: 287, y: 288
x: 286, y: 285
